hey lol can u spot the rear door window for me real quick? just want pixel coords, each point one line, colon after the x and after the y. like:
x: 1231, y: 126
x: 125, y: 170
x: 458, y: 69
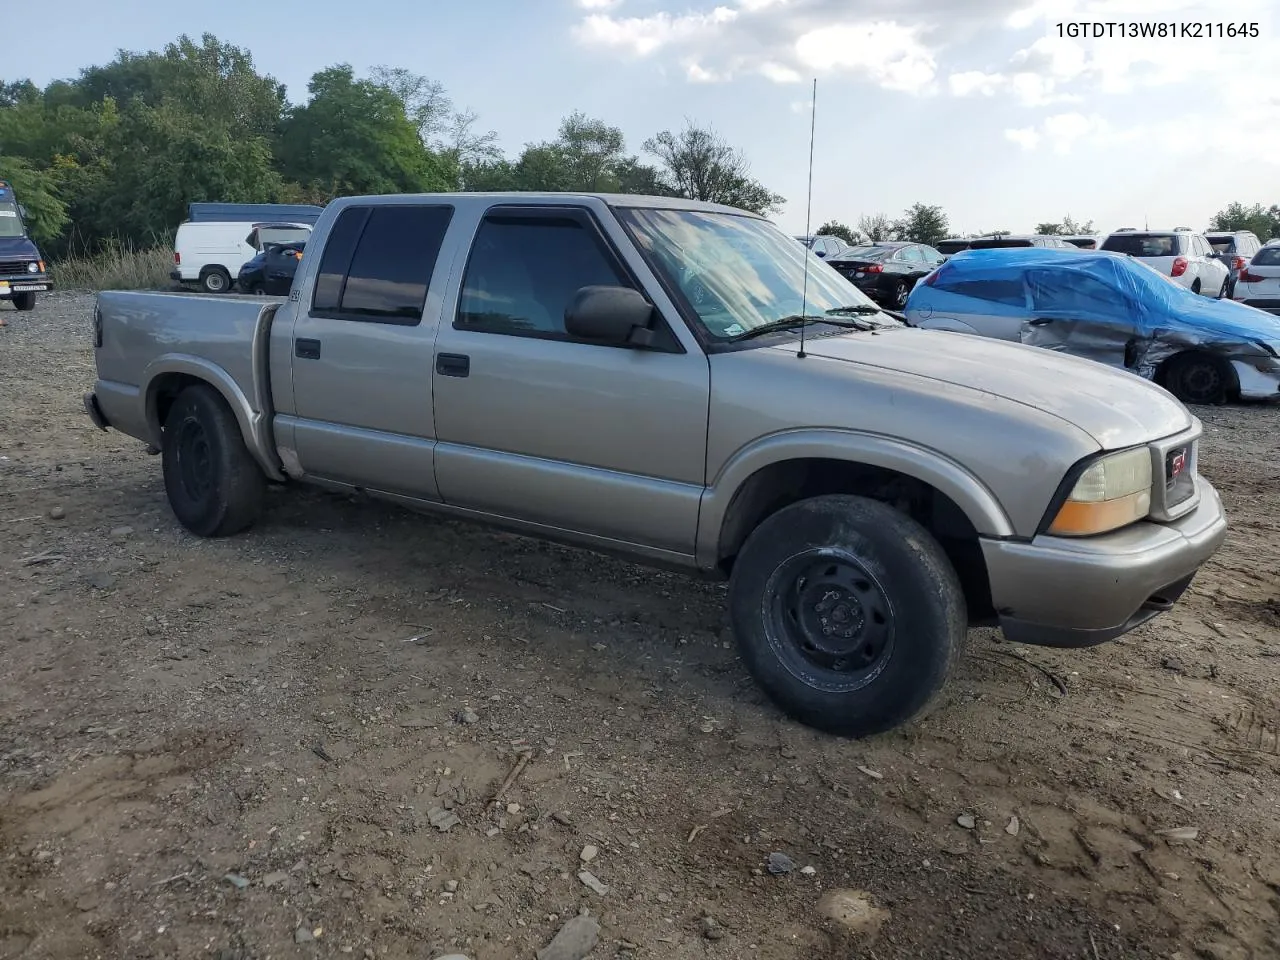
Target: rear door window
x: 378, y: 261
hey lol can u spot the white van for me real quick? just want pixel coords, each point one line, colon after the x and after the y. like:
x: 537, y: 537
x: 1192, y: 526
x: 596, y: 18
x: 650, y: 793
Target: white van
x: 211, y: 253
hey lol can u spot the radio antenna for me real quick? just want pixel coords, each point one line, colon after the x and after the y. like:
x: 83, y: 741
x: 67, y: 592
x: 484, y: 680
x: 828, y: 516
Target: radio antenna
x: 808, y: 211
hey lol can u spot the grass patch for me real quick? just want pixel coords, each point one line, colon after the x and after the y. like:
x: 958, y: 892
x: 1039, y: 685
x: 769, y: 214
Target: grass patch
x: 116, y: 268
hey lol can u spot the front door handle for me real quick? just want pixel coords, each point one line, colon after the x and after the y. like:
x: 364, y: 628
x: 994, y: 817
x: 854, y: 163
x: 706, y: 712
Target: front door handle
x: 306, y: 349
x: 1041, y: 321
x: 453, y: 364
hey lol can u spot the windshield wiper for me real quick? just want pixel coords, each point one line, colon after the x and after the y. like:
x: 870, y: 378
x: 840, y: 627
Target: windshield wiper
x: 796, y: 321
x: 861, y: 308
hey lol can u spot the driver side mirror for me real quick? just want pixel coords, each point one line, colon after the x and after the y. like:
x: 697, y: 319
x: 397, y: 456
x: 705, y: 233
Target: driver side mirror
x: 619, y: 316
x: 820, y: 254
x: 22, y: 211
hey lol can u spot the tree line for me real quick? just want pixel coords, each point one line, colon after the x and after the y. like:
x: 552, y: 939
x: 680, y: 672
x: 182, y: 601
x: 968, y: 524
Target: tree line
x: 923, y: 223
x: 117, y: 154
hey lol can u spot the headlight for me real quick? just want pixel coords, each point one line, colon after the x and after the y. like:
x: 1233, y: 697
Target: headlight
x: 33, y: 267
x: 1113, y: 492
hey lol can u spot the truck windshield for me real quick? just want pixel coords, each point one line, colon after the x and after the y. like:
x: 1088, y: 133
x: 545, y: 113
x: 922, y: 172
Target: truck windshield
x: 10, y: 221
x: 739, y: 273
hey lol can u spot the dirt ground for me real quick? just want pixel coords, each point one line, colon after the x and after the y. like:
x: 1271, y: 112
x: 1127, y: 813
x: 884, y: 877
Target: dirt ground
x: 220, y: 749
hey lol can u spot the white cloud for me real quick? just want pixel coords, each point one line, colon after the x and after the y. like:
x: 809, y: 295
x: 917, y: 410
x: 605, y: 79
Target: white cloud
x: 783, y: 41
x: 598, y: 4
x: 643, y: 36
x: 1026, y: 137
x: 968, y: 83
x: 779, y: 73
x: 885, y: 52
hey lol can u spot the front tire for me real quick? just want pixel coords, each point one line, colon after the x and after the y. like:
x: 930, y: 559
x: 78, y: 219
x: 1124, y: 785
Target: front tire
x: 1197, y: 378
x: 215, y: 487
x: 848, y: 614
x: 24, y: 301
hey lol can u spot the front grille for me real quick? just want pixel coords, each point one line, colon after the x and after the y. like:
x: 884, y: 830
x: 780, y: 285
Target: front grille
x: 9, y: 267
x: 1179, y: 483
x: 1175, y: 465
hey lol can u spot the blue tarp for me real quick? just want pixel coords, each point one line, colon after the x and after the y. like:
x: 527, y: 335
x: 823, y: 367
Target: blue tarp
x: 1102, y: 306
x: 1111, y: 288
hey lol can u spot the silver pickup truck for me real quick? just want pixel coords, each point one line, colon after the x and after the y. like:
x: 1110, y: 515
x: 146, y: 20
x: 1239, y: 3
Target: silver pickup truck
x: 628, y: 374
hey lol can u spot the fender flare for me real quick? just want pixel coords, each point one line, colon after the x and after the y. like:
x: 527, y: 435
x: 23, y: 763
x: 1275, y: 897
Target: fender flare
x: 254, y: 426
x: 970, y: 494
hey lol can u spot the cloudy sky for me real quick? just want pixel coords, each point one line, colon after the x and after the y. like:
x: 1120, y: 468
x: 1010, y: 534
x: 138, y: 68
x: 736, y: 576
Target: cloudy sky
x: 985, y: 107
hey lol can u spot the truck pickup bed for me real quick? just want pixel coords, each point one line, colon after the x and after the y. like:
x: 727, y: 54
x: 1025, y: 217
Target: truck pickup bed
x: 626, y: 374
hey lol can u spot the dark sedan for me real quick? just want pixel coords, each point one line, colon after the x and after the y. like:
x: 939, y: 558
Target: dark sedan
x: 887, y: 271
x: 271, y: 272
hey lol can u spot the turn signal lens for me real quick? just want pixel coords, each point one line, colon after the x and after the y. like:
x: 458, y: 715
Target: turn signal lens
x: 1113, y: 492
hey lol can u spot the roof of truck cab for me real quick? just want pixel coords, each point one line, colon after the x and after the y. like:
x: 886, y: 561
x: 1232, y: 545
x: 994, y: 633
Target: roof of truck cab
x: 548, y: 197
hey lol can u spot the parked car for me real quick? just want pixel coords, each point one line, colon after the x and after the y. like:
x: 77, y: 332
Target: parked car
x: 625, y: 373
x: 1259, y: 284
x: 1016, y: 240
x: 1183, y: 256
x: 824, y: 247
x: 22, y: 269
x: 1110, y: 308
x: 271, y: 272
x: 210, y: 253
x: 1235, y: 249
x: 886, y: 271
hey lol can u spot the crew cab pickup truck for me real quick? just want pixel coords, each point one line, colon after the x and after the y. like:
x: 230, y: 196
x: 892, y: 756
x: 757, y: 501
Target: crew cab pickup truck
x: 685, y: 385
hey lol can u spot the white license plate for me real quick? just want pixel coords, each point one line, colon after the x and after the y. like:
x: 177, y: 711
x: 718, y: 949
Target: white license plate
x: 28, y: 287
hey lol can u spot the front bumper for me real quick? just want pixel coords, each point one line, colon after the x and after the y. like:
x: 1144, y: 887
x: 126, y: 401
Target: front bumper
x: 1061, y: 592
x: 25, y: 283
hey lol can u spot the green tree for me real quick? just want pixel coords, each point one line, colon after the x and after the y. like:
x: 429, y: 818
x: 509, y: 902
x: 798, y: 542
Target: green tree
x: 163, y: 159
x: 353, y: 137
x: 834, y: 228
x: 875, y: 227
x: 37, y: 191
x: 922, y: 223
x: 214, y: 82
x: 699, y: 164
x: 1048, y: 229
x: 1067, y: 228
x: 1263, y: 221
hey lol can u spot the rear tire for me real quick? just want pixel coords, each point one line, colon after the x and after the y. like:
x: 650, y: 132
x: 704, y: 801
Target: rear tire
x: 1197, y: 378
x: 898, y: 298
x: 214, y: 485
x: 1195, y: 285
x: 1222, y: 293
x: 215, y: 280
x: 847, y: 613
x: 24, y: 301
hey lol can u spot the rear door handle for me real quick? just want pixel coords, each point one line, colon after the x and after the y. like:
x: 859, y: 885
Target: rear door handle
x: 306, y: 349
x: 453, y: 364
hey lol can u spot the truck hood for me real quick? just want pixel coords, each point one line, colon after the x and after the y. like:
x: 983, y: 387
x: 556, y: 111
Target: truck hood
x: 1115, y: 408
x: 18, y: 248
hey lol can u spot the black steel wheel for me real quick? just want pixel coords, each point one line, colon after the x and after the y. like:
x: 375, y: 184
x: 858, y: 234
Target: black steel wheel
x: 829, y: 619
x: 214, y: 485
x: 847, y: 612
x: 1198, y: 378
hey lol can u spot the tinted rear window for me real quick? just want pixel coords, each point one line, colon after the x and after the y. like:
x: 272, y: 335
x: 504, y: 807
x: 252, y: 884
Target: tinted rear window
x: 1085, y: 243
x: 1143, y: 244
x: 949, y: 247
x: 999, y: 243
x: 1222, y: 244
x: 1267, y: 257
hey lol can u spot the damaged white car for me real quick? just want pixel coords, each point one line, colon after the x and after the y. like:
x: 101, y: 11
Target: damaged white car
x: 1110, y: 308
